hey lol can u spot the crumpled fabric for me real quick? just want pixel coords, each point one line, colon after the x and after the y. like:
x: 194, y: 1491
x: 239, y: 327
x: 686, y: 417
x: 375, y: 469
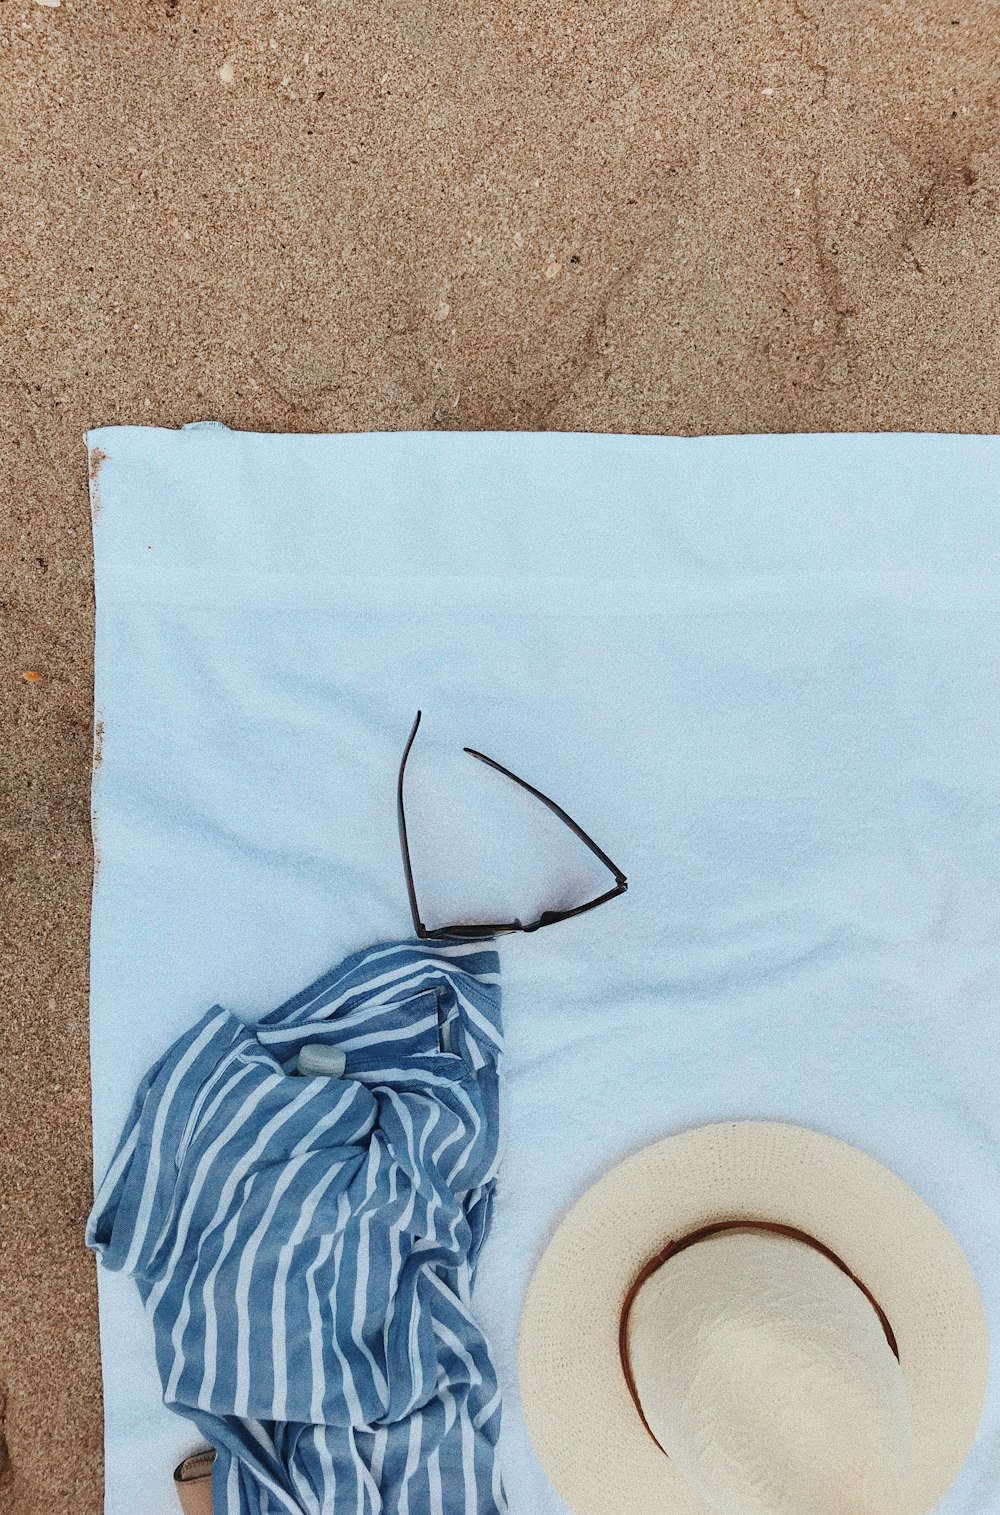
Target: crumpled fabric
x: 306, y: 1246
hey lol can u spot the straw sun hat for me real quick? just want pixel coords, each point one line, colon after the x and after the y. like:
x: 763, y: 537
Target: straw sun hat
x: 752, y: 1319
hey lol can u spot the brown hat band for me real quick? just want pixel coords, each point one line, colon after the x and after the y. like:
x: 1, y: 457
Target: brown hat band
x: 693, y: 1237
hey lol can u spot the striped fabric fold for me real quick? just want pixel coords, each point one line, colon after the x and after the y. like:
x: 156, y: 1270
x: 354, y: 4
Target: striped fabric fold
x: 306, y: 1246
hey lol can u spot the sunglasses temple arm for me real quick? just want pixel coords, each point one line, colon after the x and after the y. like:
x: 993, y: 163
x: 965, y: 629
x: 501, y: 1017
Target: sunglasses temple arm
x: 411, y: 890
x: 567, y: 820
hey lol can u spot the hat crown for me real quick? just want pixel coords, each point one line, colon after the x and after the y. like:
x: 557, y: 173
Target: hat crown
x: 765, y: 1374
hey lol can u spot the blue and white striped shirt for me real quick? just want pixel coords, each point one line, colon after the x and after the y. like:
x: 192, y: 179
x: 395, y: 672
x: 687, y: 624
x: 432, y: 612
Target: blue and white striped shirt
x: 306, y: 1246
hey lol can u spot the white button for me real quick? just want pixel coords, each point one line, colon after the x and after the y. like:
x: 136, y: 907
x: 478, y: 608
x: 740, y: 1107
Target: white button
x: 319, y: 1059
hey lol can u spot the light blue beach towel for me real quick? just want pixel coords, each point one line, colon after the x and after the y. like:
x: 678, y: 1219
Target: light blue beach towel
x: 764, y: 672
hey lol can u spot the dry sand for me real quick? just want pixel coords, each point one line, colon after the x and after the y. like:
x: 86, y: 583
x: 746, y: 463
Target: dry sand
x: 624, y: 216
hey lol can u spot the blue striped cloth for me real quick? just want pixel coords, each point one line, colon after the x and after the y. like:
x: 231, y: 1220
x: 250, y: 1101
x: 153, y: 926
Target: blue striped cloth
x: 306, y: 1246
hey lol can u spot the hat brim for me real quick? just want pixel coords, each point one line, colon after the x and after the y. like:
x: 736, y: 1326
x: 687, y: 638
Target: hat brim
x: 579, y: 1412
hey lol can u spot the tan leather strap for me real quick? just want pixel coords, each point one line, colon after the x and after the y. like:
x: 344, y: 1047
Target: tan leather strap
x: 193, y: 1482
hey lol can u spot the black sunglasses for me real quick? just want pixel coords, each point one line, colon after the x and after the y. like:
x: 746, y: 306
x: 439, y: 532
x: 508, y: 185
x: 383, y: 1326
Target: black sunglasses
x: 497, y: 928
